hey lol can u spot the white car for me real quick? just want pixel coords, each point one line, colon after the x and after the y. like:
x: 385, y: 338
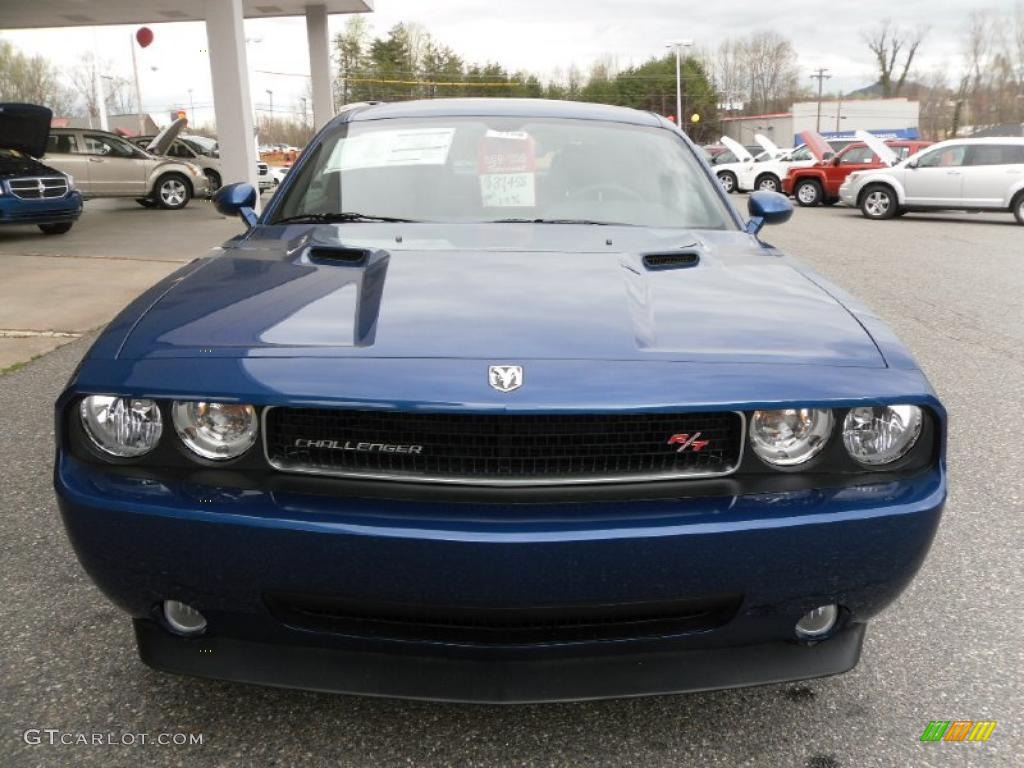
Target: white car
x: 728, y: 173
x: 959, y: 174
x: 768, y: 174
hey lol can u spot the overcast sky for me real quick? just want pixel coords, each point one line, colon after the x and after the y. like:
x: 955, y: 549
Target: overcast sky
x: 541, y: 36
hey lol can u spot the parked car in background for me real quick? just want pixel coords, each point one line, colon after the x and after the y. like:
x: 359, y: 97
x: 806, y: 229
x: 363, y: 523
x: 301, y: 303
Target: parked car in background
x: 31, y: 192
x: 263, y: 177
x: 819, y: 184
x: 767, y: 175
x: 959, y: 174
x: 187, y: 150
x: 336, y: 454
x: 730, y: 164
x: 277, y: 173
x: 107, y: 165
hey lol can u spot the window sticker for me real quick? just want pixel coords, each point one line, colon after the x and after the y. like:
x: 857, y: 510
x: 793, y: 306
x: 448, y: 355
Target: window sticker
x: 507, y: 164
x: 384, y: 149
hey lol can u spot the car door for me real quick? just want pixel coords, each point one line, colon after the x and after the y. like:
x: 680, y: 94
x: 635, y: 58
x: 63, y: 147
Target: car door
x: 990, y: 172
x: 62, y: 154
x: 936, y: 179
x: 854, y: 158
x: 116, y: 168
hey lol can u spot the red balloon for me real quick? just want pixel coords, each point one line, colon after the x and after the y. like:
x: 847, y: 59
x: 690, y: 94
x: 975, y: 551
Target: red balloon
x: 144, y: 36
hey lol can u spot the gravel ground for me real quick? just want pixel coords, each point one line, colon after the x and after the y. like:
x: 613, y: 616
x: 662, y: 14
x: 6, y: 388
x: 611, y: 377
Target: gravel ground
x: 949, y: 649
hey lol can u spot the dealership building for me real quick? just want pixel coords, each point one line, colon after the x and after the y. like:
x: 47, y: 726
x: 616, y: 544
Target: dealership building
x: 888, y: 118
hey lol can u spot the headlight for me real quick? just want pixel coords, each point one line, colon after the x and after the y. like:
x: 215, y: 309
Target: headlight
x: 121, y: 426
x: 881, y: 435
x: 789, y: 437
x: 215, y: 430
x: 71, y: 181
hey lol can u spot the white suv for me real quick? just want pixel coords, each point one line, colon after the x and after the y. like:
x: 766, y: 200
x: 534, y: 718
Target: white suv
x: 960, y: 174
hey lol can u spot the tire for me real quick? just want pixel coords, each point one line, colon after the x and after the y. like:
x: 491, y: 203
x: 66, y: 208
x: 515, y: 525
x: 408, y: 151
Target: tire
x: 767, y: 182
x: 1018, y: 207
x: 728, y: 180
x: 172, y: 191
x: 56, y: 229
x: 879, y: 202
x: 213, y: 179
x: 807, y: 193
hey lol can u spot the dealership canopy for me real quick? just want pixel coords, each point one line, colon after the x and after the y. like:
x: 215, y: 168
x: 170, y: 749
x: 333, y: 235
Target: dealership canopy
x: 228, y: 67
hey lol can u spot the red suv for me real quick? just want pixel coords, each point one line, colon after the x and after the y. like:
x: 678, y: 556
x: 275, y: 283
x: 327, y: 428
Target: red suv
x: 819, y: 184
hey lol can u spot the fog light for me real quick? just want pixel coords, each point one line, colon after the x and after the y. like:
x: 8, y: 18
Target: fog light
x: 183, y: 619
x: 818, y: 622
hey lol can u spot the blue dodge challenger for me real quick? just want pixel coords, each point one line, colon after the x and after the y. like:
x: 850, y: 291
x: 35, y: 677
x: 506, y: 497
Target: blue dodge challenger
x: 499, y: 401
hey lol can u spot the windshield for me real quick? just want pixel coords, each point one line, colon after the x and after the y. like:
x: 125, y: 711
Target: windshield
x: 481, y: 169
x: 201, y: 144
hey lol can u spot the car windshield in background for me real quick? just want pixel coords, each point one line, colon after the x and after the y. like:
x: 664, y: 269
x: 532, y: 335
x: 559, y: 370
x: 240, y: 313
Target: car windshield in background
x: 506, y: 169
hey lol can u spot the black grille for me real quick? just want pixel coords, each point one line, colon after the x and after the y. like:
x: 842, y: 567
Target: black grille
x: 501, y: 626
x: 503, y: 449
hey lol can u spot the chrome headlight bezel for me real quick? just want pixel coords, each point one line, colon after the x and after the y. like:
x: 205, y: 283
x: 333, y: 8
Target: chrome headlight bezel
x: 215, y: 431
x: 144, y: 425
x: 790, y: 449
x: 869, y: 419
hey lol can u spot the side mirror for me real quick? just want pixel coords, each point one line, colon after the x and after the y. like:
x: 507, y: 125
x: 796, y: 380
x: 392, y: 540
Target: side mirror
x: 835, y: 161
x: 767, y: 208
x: 912, y: 165
x: 237, y: 200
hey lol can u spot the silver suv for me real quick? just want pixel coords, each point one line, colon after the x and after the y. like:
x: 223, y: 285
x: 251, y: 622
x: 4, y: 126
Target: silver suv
x: 105, y: 165
x: 960, y: 174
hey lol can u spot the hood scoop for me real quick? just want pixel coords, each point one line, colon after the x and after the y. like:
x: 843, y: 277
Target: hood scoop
x: 355, y: 257
x: 671, y: 260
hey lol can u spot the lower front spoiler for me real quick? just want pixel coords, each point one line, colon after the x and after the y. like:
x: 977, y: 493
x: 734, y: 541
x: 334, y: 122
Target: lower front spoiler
x: 494, y: 681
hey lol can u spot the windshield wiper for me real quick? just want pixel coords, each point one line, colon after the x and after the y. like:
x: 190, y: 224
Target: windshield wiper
x: 559, y: 221
x: 332, y: 218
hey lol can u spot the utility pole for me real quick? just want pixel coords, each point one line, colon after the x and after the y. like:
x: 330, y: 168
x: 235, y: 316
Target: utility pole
x: 191, y: 109
x: 821, y: 75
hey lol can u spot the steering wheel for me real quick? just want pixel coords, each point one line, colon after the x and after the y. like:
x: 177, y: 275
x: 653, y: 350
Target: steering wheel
x: 625, y: 192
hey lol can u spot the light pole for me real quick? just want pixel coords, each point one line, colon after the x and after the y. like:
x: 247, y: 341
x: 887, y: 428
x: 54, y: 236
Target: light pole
x: 303, y: 100
x: 191, y: 107
x: 678, y: 45
x: 270, y: 118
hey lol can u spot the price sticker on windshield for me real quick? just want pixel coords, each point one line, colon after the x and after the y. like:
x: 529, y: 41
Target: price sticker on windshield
x: 507, y: 163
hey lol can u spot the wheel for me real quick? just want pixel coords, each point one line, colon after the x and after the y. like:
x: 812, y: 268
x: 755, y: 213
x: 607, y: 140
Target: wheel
x: 172, y: 191
x: 728, y: 180
x: 145, y: 202
x: 879, y: 202
x: 55, y: 229
x: 767, y: 182
x: 1018, y: 207
x: 808, y: 193
x: 213, y: 179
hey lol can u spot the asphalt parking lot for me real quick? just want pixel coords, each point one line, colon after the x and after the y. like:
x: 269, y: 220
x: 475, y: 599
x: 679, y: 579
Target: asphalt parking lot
x: 950, y: 648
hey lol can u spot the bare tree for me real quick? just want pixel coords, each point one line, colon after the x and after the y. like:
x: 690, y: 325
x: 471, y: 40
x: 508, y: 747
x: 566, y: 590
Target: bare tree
x: 894, y: 49
x: 117, y: 89
x: 32, y: 79
x: 770, y: 65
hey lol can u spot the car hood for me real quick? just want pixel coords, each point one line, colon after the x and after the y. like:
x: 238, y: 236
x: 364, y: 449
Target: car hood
x: 499, y: 292
x: 163, y: 140
x: 25, y: 128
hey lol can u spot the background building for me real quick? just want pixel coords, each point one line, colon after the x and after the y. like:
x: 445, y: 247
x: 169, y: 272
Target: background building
x: 889, y: 118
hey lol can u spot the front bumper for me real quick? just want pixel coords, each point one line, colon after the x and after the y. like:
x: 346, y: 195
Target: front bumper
x: 14, y: 210
x: 228, y: 551
x: 847, y: 194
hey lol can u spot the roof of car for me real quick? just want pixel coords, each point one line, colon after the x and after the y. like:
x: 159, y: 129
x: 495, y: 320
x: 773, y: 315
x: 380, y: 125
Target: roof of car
x: 539, y: 108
